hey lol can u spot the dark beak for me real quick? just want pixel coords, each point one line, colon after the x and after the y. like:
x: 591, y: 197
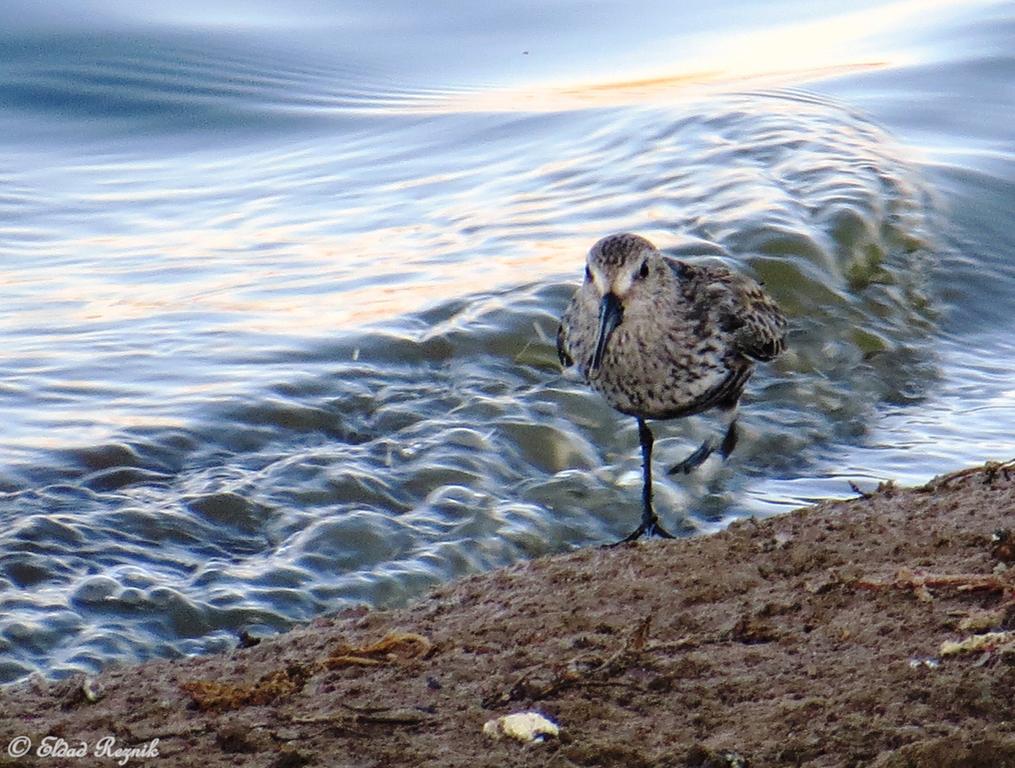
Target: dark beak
x: 610, y: 314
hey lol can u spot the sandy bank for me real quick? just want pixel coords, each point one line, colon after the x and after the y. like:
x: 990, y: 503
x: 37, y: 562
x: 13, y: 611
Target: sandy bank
x: 819, y: 638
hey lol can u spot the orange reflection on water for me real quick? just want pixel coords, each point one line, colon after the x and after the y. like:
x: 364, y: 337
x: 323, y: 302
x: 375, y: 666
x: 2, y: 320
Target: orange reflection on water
x: 794, y: 53
x: 652, y: 90
x: 294, y: 278
x: 317, y: 287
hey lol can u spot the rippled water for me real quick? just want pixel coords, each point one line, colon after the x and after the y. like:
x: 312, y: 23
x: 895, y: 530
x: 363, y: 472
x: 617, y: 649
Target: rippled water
x: 280, y: 290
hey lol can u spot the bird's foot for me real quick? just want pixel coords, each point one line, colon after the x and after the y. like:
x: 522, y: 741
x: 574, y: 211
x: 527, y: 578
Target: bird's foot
x: 649, y: 527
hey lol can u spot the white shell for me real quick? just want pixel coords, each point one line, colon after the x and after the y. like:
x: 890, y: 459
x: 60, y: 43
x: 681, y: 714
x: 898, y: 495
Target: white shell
x: 523, y: 726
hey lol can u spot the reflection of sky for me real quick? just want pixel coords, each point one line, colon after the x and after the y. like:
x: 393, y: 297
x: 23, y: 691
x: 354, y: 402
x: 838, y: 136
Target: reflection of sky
x: 529, y: 42
x: 321, y: 236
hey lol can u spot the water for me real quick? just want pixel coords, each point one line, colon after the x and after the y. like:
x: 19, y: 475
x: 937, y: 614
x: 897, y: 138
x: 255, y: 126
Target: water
x: 280, y: 287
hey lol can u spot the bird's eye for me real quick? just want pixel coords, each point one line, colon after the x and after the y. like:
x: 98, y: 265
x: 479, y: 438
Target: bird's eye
x: 643, y: 272
x: 588, y: 273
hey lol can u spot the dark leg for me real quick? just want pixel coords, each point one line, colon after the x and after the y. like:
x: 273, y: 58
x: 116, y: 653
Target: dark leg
x: 729, y: 442
x: 649, y: 522
x: 695, y: 460
x: 729, y: 415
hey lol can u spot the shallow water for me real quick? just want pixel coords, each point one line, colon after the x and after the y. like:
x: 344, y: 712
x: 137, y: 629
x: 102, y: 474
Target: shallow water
x: 280, y: 290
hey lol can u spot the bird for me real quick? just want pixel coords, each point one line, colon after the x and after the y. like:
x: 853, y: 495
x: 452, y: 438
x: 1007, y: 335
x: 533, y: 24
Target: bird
x: 659, y: 338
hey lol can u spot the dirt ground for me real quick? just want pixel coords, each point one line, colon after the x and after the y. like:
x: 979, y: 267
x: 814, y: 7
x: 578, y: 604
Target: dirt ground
x: 878, y: 632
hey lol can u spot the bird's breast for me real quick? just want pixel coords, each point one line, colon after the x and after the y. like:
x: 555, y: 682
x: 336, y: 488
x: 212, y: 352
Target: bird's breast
x: 652, y: 375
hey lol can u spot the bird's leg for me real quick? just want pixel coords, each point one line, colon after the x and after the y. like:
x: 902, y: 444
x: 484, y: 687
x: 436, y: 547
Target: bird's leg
x: 728, y: 415
x: 729, y: 441
x: 649, y: 522
x: 696, y: 459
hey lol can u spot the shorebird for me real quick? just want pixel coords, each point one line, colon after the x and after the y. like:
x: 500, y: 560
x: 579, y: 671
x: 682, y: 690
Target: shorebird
x: 662, y: 339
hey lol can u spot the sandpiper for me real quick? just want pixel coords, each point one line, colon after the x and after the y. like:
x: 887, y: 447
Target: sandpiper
x: 661, y: 339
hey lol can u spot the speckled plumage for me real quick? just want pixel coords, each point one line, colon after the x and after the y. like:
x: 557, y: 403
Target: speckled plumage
x: 673, y: 339
x: 688, y: 337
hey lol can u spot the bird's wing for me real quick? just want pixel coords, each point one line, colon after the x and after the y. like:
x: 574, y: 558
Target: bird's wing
x: 562, y: 354
x: 753, y: 318
x: 763, y: 334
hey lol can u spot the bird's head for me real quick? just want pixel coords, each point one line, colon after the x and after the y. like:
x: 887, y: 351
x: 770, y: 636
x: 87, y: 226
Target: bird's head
x: 616, y: 268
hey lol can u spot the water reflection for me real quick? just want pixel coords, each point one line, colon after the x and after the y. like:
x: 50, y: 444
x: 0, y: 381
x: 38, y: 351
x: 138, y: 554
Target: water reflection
x: 265, y: 440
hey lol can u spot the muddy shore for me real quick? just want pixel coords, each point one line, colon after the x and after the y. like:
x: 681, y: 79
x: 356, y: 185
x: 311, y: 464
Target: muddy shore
x: 878, y: 631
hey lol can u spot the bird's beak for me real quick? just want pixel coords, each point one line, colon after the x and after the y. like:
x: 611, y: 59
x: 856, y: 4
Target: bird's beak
x: 611, y: 312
